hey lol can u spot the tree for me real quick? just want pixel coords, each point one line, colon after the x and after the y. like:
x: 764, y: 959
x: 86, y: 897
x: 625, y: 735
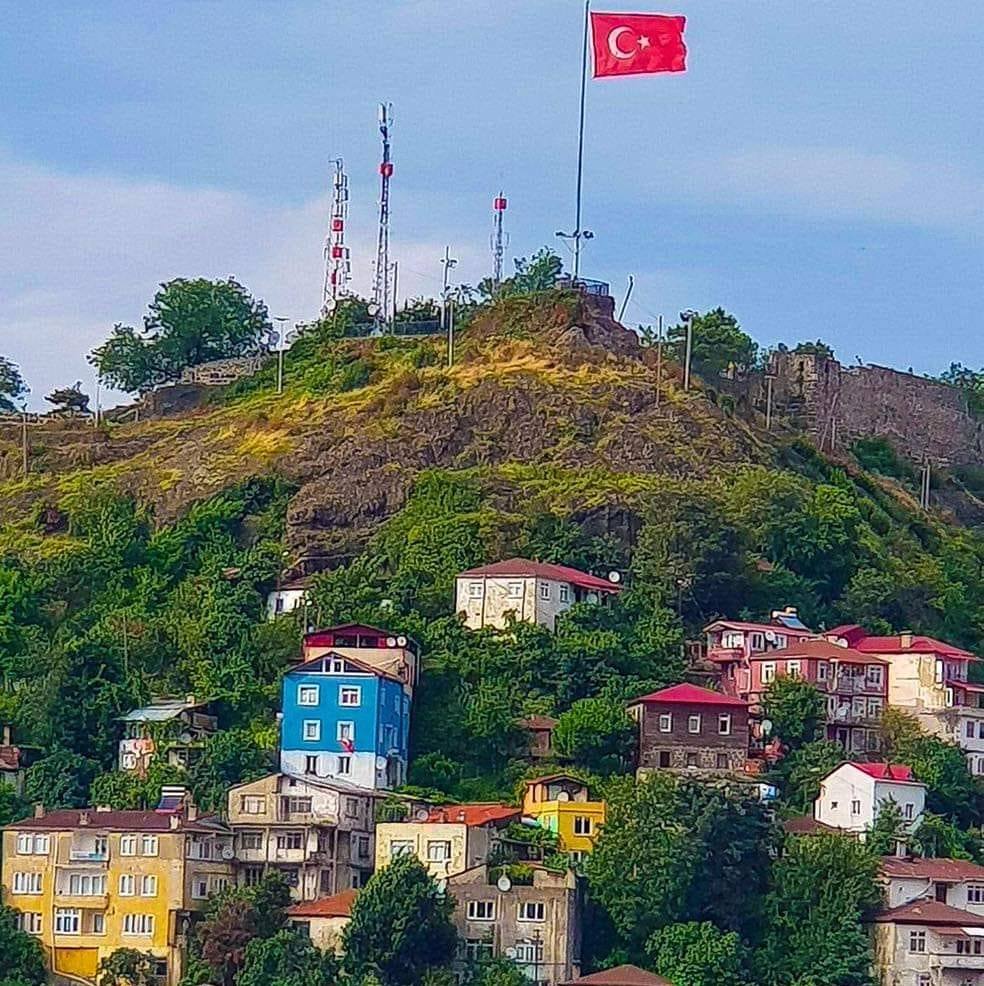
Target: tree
x: 60, y: 780
x: 717, y: 343
x: 597, y: 733
x: 536, y: 273
x: 229, y: 757
x: 128, y: 967
x: 821, y: 889
x: 13, y: 807
x: 21, y: 958
x: 12, y: 386
x: 189, y: 322
x: 697, y: 954
x: 796, y: 709
x: 286, y: 959
x: 400, y: 926
x: 498, y: 972
x: 69, y: 400
x: 889, y: 829
x: 801, y: 772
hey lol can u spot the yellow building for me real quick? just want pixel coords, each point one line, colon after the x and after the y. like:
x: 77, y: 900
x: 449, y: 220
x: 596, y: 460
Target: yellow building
x: 562, y: 804
x: 88, y: 882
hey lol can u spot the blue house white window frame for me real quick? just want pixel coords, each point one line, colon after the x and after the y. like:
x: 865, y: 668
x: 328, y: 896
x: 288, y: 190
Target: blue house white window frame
x: 349, y: 696
x: 308, y: 695
x: 346, y: 731
x: 311, y: 730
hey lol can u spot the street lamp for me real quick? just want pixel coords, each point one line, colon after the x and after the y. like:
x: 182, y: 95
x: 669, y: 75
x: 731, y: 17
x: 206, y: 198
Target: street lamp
x: 281, y: 339
x: 687, y: 317
x: 576, y: 236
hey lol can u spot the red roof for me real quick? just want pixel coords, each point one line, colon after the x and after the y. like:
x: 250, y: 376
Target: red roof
x: 536, y: 723
x: 940, y: 870
x: 524, y: 568
x: 685, y: 694
x: 823, y: 650
x: 621, y: 975
x: 857, y: 638
x: 337, y: 906
x: 472, y: 815
x: 117, y: 821
x: 345, y: 629
x: 886, y: 771
x: 929, y: 912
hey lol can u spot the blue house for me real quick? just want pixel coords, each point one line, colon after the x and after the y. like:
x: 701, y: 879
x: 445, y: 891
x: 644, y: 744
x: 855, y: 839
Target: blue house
x: 344, y: 720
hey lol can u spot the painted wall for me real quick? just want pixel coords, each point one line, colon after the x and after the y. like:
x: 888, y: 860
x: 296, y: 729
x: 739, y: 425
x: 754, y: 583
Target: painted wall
x: 468, y: 845
x: 846, y: 786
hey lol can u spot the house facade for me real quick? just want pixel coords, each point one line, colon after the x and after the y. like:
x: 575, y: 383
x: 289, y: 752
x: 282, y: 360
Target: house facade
x: 536, y: 924
x: 344, y: 720
x: 853, y: 794
x: 929, y: 678
x: 446, y: 840
x: 524, y: 591
x: 288, y: 597
x: 89, y: 882
x: 392, y: 653
x: 323, y: 921
x: 855, y: 685
x: 957, y: 882
x: 539, y: 729
x: 318, y: 835
x: 15, y: 759
x: 170, y: 729
x: 563, y: 804
x: 686, y: 726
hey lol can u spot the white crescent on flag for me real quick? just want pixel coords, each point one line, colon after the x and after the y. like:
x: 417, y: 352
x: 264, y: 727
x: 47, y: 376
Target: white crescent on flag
x: 613, y: 47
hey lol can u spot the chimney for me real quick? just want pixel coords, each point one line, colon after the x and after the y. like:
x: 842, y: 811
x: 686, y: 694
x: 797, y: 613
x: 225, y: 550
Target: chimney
x: 173, y: 821
x: 83, y: 818
x: 191, y: 812
x: 39, y: 810
x: 905, y: 639
x: 103, y: 808
x: 6, y: 736
x: 189, y: 699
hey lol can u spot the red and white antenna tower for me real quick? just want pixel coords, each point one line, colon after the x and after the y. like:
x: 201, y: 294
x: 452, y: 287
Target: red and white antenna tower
x: 499, y: 240
x: 338, y: 263
x: 382, y: 288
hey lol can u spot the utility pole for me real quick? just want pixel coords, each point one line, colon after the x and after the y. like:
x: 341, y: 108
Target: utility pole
x: 768, y: 401
x: 24, y: 461
x: 450, y: 333
x: 925, y: 481
x: 395, y: 269
x: 659, y: 358
x: 688, y: 319
x: 281, y: 341
x: 447, y: 309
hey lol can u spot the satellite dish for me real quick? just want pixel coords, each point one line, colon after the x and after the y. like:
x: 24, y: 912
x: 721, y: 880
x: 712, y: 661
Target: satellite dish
x: 227, y: 852
x: 592, y: 597
x: 391, y: 641
x: 330, y: 305
x: 401, y: 641
x: 184, y: 738
x: 510, y: 953
x: 421, y: 814
x: 563, y: 796
x: 372, y: 308
x: 380, y: 763
x: 770, y: 635
x: 766, y: 727
x: 614, y: 577
x: 504, y: 884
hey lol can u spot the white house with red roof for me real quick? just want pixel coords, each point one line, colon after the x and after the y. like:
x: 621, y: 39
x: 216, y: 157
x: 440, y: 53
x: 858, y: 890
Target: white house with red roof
x: 688, y: 727
x: 522, y: 591
x: 929, y: 678
x: 853, y: 794
x: 957, y: 882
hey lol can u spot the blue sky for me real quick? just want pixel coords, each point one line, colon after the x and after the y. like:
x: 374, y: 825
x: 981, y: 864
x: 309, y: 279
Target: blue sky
x: 819, y: 170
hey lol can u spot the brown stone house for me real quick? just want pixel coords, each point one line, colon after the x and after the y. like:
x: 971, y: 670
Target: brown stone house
x: 539, y: 729
x: 688, y: 726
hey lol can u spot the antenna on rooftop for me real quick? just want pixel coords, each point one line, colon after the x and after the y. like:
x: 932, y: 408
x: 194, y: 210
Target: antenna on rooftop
x: 338, y: 265
x: 382, y: 287
x: 499, y: 240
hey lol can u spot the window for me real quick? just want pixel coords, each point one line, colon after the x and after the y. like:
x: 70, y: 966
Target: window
x: 41, y: 845
x: 939, y: 672
x: 308, y: 694
x: 351, y: 807
x: 478, y: 950
x: 909, y: 811
x: 346, y: 732
x: 973, y: 947
x: 337, y: 665
x: 793, y: 669
x: 544, y: 590
x: 873, y: 675
x: 363, y: 845
x: 855, y: 807
x: 350, y: 696
x: 666, y: 722
x: 724, y: 724
x: 565, y: 593
x: 948, y: 696
x: 67, y: 920
x: 514, y: 590
x: 721, y: 761
x: 874, y: 708
x: 476, y: 590
x: 299, y: 806
x: 758, y: 642
x: 975, y: 893
x: 823, y: 669
x: 128, y: 886
x: 251, y: 840
x: 693, y: 724
x: 980, y: 729
x: 290, y: 840
x: 311, y: 765
x: 344, y: 766
x: 924, y: 979
x: 401, y: 847
x: 664, y: 758
x: 199, y: 887
x: 252, y: 875
x: 303, y: 928
x: 86, y: 884
x: 128, y: 845
x: 582, y: 825
x: 138, y: 925
x: 692, y: 760
x: 917, y: 941
x: 149, y: 846
x: 98, y: 923
x: 530, y: 910
x: 481, y: 910
x: 312, y: 730
x: 25, y: 844
x: 768, y: 672
x: 528, y: 953
x: 28, y: 921
x: 438, y: 852
x: 219, y: 884
x: 27, y: 883
x: 253, y: 805
x: 148, y: 886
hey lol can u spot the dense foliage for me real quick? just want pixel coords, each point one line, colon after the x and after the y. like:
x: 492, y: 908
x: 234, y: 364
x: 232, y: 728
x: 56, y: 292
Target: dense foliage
x: 12, y: 386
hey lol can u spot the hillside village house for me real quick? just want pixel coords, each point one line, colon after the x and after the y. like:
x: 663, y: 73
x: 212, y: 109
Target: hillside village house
x: 174, y: 729
x: 14, y: 760
x: 540, y: 731
x: 855, y: 684
x: 852, y: 795
x: 88, y: 882
x: 288, y: 597
x: 345, y: 720
x: 536, y: 925
x: 524, y: 591
x: 322, y: 921
x: 686, y: 726
x: 621, y: 975
x: 318, y: 835
x: 446, y: 840
x: 394, y: 653
x: 563, y: 804
x: 928, y: 678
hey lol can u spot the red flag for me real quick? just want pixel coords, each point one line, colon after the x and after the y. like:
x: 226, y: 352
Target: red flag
x: 636, y: 44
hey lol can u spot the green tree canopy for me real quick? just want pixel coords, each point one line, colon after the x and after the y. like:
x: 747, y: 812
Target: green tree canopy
x: 796, y: 709
x: 286, y: 959
x: 60, y: 780
x: 698, y: 954
x: 12, y: 386
x: 597, y: 733
x: 128, y: 967
x: 400, y: 926
x: 189, y: 322
x: 801, y: 772
x: 21, y: 958
x: 718, y: 341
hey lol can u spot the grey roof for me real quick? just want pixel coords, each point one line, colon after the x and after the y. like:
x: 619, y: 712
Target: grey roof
x: 161, y: 711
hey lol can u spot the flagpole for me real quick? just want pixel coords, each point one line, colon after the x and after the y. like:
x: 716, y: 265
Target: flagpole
x: 580, y: 141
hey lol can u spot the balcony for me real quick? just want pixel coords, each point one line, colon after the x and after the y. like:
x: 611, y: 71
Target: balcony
x: 88, y: 855
x: 844, y: 685
x: 97, y: 902
x: 951, y: 960
x: 725, y: 654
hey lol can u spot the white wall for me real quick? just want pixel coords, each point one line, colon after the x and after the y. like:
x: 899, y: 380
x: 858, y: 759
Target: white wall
x: 364, y: 772
x: 846, y: 785
x: 289, y: 600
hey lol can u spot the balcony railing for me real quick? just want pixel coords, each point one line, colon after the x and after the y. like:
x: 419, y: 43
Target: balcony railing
x: 88, y: 855
x: 845, y: 685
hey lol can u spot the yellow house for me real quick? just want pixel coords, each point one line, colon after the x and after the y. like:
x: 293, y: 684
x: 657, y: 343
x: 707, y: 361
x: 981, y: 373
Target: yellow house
x: 562, y: 804
x: 88, y: 882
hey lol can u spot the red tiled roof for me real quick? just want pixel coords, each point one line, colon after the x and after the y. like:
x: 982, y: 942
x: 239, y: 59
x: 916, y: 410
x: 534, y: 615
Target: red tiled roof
x: 929, y: 912
x: 941, y: 870
x: 886, y: 771
x: 337, y: 906
x: 117, y: 821
x: 524, y: 568
x: 684, y: 694
x: 345, y: 628
x: 537, y: 722
x: 821, y: 649
x: 472, y: 815
x: 920, y: 645
x: 621, y: 975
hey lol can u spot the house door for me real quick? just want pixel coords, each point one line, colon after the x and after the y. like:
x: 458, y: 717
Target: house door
x: 940, y: 890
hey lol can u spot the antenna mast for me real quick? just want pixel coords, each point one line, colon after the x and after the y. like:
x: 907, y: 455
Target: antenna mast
x: 500, y: 240
x: 338, y: 265
x: 382, y: 281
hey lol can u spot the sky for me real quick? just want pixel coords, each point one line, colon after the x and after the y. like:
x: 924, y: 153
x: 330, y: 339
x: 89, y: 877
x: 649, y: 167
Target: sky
x: 818, y: 170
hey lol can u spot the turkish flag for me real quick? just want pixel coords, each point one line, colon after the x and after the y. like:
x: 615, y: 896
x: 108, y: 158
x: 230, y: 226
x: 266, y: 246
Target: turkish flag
x: 637, y: 44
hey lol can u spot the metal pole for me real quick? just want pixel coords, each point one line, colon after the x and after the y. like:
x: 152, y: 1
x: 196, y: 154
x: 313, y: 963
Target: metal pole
x: 396, y: 272
x: 768, y: 403
x: 450, y: 333
x: 625, y: 300
x: 690, y: 349
x: 24, y: 461
x: 580, y: 140
x: 280, y: 353
x: 659, y: 358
